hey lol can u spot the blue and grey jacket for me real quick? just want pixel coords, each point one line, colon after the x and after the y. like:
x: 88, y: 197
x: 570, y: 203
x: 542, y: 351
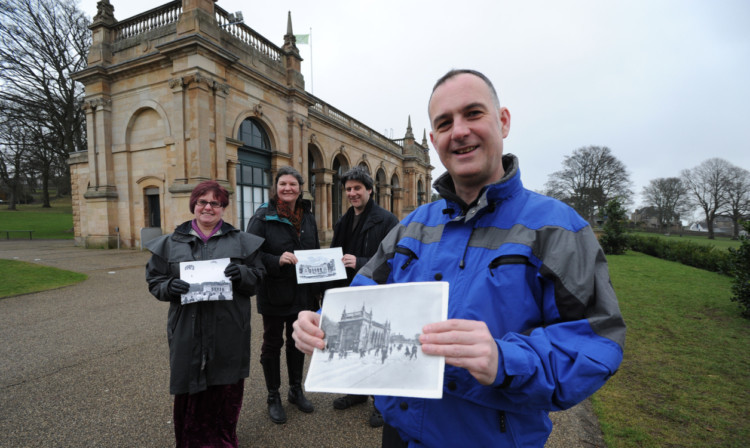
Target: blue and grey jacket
x: 531, y: 268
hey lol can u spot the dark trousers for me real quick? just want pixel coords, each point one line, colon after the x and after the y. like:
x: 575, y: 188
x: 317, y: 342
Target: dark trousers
x: 391, y: 439
x: 208, y: 418
x: 274, y: 329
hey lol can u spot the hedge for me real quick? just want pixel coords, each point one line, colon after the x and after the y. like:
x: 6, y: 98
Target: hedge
x: 701, y: 256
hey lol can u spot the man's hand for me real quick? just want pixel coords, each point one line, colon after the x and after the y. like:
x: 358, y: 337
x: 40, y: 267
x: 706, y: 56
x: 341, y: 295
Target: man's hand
x: 287, y: 258
x: 307, y: 336
x: 350, y: 261
x: 464, y: 343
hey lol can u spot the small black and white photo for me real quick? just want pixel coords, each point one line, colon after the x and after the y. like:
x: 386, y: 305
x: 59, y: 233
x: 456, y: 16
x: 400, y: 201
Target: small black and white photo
x: 207, y: 280
x: 372, y: 341
x: 320, y: 265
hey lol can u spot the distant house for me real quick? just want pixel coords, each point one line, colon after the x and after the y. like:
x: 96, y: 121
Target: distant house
x: 648, y: 219
x: 698, y: 227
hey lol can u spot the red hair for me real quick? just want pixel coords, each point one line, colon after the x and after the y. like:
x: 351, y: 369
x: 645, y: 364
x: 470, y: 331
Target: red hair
x: 209, y: 186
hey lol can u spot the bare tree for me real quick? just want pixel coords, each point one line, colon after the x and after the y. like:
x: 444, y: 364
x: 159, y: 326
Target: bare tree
x: 591, y: 177
x: 669, y: 199
x: 738, y: 198
x: 13, y: 156
x: 708, y: 185
x: 41, y: 43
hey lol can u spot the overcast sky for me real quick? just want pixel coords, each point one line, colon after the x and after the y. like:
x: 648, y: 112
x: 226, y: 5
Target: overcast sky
x: 665, y: 84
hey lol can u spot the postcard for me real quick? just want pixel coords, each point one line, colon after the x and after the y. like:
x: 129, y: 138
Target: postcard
x: 320, y: 265
x: 372, y: 341
x: 207, y: 280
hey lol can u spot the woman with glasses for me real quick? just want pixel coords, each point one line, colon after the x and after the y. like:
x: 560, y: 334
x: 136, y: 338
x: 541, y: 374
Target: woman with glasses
x: 286, y: 223
x: 209, y: 338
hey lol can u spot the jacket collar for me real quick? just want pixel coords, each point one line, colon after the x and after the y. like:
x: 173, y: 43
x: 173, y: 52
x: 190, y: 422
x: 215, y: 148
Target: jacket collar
x: 490, y: 196
x: 183, y: 230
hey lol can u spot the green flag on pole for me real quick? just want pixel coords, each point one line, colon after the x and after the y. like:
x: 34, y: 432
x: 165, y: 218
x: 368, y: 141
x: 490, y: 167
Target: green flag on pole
x: 302, y: 39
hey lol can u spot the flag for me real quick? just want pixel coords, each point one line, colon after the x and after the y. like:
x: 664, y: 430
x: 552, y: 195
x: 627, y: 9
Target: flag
x: 302, y: 39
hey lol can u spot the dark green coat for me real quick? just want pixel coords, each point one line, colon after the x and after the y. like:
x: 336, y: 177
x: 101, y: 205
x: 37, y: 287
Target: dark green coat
x: 209, y: 342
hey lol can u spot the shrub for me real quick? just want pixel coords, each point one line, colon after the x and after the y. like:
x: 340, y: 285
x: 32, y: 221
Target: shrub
x: 701, y: 256
x: 614, y: 241
x: 739, y: 268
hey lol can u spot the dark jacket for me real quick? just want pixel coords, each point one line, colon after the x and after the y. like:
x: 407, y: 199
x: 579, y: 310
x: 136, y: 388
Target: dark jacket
x: 279, y: 294
x: 209, y: 342
x: 376, y: 225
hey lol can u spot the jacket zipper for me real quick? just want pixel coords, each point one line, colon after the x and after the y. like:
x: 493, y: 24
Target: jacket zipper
x: 408, y: 253
x: 506, y: 259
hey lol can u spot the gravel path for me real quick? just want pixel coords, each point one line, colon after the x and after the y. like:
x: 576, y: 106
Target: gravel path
x: 87, y: 365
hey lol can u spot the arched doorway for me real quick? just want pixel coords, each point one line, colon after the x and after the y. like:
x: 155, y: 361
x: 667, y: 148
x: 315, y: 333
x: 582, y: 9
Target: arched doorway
x: 253, y: 170
x: 395, y: 190
x: 420, y: 193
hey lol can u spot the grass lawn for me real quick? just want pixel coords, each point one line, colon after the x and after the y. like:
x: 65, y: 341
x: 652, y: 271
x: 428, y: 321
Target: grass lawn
x: 684, y: 379
x: 47, y: 223
x: 20, y: 277
x: 720, y: 242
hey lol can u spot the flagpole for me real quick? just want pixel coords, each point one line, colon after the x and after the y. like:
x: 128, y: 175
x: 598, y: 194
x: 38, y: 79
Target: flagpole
x: 312, y: 85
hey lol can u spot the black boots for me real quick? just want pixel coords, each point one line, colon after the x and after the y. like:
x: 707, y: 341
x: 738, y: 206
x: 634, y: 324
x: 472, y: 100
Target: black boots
x: 272, y: 372
x: 275, y: 410
x: 295, y: 363
x: 296, y: 396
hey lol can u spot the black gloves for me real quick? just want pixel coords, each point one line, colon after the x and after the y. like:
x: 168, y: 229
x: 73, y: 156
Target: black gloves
x: 178, y: 287
x: 233, y: 272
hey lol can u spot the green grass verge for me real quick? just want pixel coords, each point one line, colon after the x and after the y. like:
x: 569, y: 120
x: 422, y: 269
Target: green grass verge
x: 55, y: 223
x: 684, y: 379
x: 20, y: 277
x: 720, y: 242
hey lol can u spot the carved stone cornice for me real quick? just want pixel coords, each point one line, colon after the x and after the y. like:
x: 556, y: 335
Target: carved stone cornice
x: 97, y: 103
x: 196, y: 79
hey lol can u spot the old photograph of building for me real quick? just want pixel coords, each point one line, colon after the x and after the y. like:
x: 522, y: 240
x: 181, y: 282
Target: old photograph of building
x: 320, y: 265
x: 207, y: 280
x: 372, y: 341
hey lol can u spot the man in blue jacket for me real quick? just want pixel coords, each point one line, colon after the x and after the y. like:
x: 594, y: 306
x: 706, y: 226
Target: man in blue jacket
x: 533, y: 322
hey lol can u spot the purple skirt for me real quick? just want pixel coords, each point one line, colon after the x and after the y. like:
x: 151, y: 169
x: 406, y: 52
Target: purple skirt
x: 208, y: 419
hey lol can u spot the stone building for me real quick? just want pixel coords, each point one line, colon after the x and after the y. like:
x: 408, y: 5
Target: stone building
x: 183, y: 93
x: 359, y: 332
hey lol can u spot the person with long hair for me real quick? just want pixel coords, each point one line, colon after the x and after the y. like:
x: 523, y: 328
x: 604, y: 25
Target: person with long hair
x: 286, y: 223
x: 209, y: 341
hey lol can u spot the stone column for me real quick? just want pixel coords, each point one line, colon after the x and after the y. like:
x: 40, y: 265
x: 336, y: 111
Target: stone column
x: 220, y: 105
x: 179, y: 157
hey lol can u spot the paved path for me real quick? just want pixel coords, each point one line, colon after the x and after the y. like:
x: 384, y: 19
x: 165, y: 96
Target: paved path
x: 87, y: 366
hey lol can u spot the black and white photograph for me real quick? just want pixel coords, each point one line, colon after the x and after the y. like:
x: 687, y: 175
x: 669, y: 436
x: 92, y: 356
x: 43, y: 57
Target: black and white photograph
x: 207, y: 280
x: 320, y: 265
x: 372, y: 341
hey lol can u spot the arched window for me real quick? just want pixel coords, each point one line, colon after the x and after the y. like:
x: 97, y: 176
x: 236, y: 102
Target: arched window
x: 253, y: 170
x: 254, y: 136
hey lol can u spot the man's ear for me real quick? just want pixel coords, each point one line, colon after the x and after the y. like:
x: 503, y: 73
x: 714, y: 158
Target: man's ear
x: 504, y: 121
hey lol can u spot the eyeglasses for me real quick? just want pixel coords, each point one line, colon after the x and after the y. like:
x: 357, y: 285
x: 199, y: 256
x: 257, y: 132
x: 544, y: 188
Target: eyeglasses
x: 214, y: 204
